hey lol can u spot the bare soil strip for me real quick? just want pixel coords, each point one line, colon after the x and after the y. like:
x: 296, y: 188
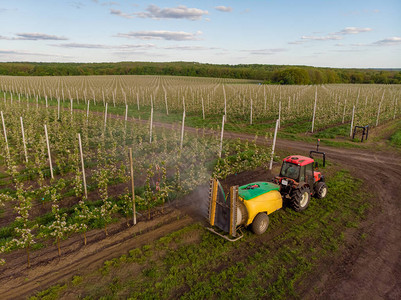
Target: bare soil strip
x: 18, y: 282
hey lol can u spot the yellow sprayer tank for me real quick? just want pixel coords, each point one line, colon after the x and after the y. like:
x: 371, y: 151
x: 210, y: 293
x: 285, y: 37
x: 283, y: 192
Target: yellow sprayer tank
x: 243, y: 206
x: 258, y: 197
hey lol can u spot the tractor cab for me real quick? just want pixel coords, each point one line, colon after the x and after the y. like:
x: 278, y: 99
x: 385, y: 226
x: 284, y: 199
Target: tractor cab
x: 299, y: 180
x: 298, y: 169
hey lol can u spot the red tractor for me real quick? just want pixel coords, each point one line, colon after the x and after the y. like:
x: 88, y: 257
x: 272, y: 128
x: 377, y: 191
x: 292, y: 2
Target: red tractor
x: 299, y: 181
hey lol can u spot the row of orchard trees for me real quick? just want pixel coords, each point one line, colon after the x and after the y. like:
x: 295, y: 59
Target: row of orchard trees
x: 41, y: 158
x: 270, y: 73
x: 240, y: 101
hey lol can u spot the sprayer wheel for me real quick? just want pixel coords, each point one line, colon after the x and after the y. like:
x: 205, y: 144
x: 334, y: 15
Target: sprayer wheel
x: 260, y: 223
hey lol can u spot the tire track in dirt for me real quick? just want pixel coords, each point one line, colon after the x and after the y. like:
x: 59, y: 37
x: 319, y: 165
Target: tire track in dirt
x: 76, y: 258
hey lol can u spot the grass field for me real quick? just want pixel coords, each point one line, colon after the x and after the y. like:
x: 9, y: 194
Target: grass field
x: 193, y: 263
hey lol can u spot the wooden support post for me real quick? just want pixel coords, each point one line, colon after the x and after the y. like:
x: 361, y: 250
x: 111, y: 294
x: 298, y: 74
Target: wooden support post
x: 5, y: 133
x: 151, y: 125
x: 58, y: 108
x: 23, y: 140
x: 352, y: 120
x: 105, y: 117
x: 48, y: 152
x: 279, y: 114
x: 378, y: 110
x: 203, y: 109
x: 345, y: 105
x: 182, y: 129
x: 221, y: 136
x: 251, y: 112
x: 126, y: 113
x: 132, y: 186
x: 314, y: 111
x: 83, y: 165
x: 274, y: 144
x: 225, y: 102
x: 165, y: 100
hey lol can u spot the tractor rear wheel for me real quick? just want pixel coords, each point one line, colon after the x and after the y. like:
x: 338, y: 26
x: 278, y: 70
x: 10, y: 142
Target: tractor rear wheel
x: 300, y: 198
x: 260, y: 223
x: 320, y: 190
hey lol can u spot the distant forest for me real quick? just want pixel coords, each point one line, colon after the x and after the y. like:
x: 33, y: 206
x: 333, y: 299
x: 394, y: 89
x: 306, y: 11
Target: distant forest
x: 274, y: 74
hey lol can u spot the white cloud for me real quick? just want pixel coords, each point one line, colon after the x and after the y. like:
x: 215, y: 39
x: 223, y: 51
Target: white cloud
x: 77, y: 4
x: 87, y: 46
x: 162, y: 35
x: 332, y: 36
x: 179, y: 12
x: 9, y: 52
x: 119, y: 13
x: 361, y: 12
x: 17, y: 53
x: 224, y: 8
x: 138, y: 46
x: 110, y: 3
x: 268, y: 51
x: 354, y: 30
x: 102, y: 46
x: 296, y: 43
x: 189, y: 48
x: 321, y: 38
x: 391, y: 41
x: 34, y: 37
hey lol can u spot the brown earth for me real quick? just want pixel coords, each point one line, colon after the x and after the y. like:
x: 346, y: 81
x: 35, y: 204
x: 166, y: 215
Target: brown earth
x: 363, y: 271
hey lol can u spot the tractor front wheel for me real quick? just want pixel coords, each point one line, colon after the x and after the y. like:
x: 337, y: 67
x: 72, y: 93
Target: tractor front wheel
x: 260, y: 223
x: 320, y: 190
x: 300, y: 198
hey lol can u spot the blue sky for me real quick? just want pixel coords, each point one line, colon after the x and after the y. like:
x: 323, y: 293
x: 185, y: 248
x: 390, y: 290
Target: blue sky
x: 324, y: 33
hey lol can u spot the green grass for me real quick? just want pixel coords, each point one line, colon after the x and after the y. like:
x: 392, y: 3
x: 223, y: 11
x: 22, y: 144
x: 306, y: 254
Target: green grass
x: 51, y: 293
x: 395, y: 139
x: 193, y: 263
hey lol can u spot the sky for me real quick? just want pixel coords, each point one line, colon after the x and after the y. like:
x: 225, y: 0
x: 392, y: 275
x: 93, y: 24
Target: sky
x: 321, y: 33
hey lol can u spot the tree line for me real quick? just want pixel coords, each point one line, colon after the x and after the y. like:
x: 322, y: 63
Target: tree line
x: 270, y: 74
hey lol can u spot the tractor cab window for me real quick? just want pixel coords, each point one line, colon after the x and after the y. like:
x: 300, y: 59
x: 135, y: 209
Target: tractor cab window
x: 309, y: 173
x: 302, y: 174
x: 290, y: 170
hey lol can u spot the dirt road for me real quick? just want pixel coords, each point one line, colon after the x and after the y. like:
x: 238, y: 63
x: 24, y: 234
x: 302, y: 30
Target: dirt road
x: 372, y: 272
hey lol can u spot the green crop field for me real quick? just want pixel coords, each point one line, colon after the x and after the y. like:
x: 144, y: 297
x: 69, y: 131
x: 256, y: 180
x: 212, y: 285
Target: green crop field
x: 65, y: 150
